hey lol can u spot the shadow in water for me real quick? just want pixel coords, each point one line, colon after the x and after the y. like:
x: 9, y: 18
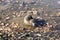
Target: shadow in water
x: 39, y: 22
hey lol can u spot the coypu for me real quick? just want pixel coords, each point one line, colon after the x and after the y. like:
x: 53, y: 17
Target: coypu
x: 29, y: 20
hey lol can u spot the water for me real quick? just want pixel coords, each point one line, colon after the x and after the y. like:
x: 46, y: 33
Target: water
x: 52, y: 3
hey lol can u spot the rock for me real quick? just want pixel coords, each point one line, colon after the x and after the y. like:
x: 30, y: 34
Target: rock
x: 37, y: 34
x: 7, y: 18
x: 2, y: 24
x: 29, y: 20
x: 38, y: 22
